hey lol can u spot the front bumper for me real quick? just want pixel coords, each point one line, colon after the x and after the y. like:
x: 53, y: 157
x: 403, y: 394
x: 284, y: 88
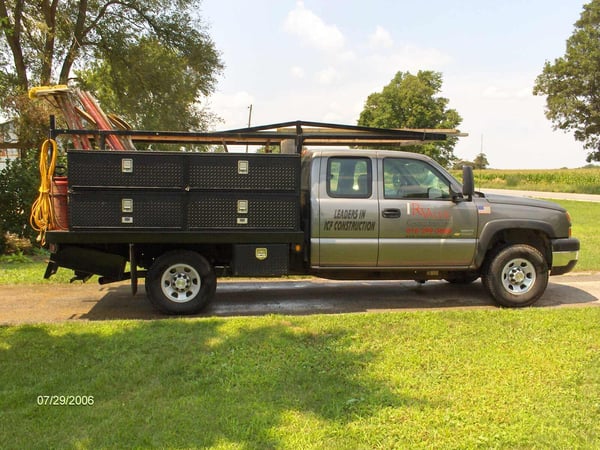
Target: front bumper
x: 565, y: 253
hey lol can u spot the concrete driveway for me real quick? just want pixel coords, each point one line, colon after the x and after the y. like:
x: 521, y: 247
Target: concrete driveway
x: 83, y: 302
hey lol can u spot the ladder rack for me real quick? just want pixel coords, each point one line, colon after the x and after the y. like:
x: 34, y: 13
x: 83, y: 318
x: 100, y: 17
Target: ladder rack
x: 302, y: 133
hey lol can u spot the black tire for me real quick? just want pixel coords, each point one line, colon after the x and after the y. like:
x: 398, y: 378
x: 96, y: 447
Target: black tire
x: 516, y: 276
x: 180, y: 282
x: 462, y: 278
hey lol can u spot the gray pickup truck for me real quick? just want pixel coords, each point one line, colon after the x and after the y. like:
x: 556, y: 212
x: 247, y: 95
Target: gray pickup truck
x: 181, y: 219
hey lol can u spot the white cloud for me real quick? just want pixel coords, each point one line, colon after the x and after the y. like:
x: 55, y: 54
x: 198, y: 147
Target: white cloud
x: 346, y: 56
x: 409, y: 57
x: 513, y: 92
x: 495, y: 92
x: 311, y: 29
x: 328, y: 76
x: 232, y: 108
x: 297, y: 72
x: 381, y: 38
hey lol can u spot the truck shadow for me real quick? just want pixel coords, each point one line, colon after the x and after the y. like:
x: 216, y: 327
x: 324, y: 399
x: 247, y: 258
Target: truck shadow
x: 305, y: 297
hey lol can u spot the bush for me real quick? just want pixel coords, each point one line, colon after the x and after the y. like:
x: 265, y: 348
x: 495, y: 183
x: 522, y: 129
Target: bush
x: 19, y: 183
x: 14, y: 244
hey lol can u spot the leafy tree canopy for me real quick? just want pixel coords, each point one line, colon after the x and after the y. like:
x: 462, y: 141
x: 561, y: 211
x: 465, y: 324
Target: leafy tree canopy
x: 572, y: 83
x: 150, y: 86
x: 147, y: 60
x: 480, y: 162
x: 412, y: 101
x: 135, y: 53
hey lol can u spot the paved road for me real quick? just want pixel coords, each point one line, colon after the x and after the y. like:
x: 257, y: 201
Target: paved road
x: 89, y: 302
x: 548, y: 195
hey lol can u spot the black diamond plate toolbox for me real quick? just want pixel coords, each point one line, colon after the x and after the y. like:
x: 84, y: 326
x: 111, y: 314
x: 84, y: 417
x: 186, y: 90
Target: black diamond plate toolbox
x: 190, y: 171
x: 183, y: 191
x: 126, y: 209
x: 235, y: 171
x: 116, y: 169
x: 136, y: 209
x: 243, y: 210
x: 261, y: 260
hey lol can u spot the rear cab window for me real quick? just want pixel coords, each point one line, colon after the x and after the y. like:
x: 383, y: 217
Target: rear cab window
x: 349, y: 177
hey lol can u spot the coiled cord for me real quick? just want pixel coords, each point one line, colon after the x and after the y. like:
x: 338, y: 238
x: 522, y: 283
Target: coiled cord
x: 42, y: 216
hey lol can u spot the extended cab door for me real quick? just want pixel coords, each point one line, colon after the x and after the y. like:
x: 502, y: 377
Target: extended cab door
x: 348, y: 212
x: 420, y: 224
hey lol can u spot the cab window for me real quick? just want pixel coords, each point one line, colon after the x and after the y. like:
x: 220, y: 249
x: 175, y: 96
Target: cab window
x: 349, y: 177
x: 413, y: 179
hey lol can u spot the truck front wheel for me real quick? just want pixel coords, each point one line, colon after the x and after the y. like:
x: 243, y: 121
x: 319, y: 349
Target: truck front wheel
x: 516, y: 276
x: 180, y: 282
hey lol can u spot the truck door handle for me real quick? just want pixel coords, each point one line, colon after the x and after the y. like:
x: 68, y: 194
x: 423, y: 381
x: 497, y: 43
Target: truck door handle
x: 391, y: 213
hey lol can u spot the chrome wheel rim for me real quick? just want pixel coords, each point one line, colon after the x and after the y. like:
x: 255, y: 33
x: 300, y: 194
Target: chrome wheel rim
x: 518, y: 276
x: 180, y: 283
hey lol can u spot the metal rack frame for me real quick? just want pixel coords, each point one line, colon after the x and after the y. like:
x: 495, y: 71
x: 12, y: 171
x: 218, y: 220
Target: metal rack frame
x: 301, y: 132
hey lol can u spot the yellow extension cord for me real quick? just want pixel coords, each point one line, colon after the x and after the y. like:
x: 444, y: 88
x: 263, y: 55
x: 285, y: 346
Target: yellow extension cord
x: 42, y: 212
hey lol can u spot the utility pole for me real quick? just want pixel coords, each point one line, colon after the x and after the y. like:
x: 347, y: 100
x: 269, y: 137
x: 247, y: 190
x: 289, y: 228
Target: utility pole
x: 249, y: 121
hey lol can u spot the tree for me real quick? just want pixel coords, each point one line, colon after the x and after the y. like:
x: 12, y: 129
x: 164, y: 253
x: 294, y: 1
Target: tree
x: 480, y: 162
x: 572, y: 83
x: 149, y: 60
x: 412, y: 101
x: 43, y: 41
x: 150, y: 86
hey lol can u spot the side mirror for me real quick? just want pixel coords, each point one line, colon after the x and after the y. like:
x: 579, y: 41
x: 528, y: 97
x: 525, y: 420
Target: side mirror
x: 468, y: 188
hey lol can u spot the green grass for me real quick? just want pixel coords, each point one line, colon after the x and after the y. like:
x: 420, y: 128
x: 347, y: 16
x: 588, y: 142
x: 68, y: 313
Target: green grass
x: 447, y: 379
x: 29, y: 270
x: 585, y: 228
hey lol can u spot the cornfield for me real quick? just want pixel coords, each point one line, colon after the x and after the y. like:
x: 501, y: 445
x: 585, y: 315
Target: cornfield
x: 583, y: 181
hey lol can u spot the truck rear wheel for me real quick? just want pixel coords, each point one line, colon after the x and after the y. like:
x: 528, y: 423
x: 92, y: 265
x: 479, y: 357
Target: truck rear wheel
x: 180, y: 282
x: 516, y: 276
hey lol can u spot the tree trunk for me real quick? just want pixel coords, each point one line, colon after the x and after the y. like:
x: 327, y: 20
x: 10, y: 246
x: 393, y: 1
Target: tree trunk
x: 78, y: 36
x: 12, y: 33
x: 49, y: 12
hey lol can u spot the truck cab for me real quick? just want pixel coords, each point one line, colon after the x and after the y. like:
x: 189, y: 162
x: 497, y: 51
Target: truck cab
x: 397, y: 215
x: 388, y: 210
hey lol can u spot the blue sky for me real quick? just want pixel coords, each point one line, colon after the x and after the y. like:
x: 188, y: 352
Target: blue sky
x: 319, y: 60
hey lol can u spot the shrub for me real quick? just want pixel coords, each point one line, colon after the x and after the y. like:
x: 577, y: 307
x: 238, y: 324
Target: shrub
x: 19, y: 183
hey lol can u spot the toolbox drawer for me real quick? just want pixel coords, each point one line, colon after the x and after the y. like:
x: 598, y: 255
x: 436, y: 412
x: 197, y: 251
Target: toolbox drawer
x: 239, y: 210
x: 116, y: 169
x: 242, y: 171
x: 101, y: 209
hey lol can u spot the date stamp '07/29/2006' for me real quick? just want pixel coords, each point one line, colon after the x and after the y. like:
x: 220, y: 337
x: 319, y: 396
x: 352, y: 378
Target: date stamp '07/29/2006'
x: 65, y: 400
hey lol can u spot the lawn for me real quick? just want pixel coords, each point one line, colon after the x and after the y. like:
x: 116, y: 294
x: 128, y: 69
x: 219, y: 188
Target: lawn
x: 445, y: 379
x: 426, y: 379
x: 585, y: 227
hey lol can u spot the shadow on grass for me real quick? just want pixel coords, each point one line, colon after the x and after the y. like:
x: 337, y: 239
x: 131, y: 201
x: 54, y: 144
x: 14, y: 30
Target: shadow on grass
x: 182, y: 383
x: 258, y: 298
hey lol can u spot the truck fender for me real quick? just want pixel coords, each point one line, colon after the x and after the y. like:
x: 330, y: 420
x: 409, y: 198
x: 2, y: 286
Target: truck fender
x: 490, y: 231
